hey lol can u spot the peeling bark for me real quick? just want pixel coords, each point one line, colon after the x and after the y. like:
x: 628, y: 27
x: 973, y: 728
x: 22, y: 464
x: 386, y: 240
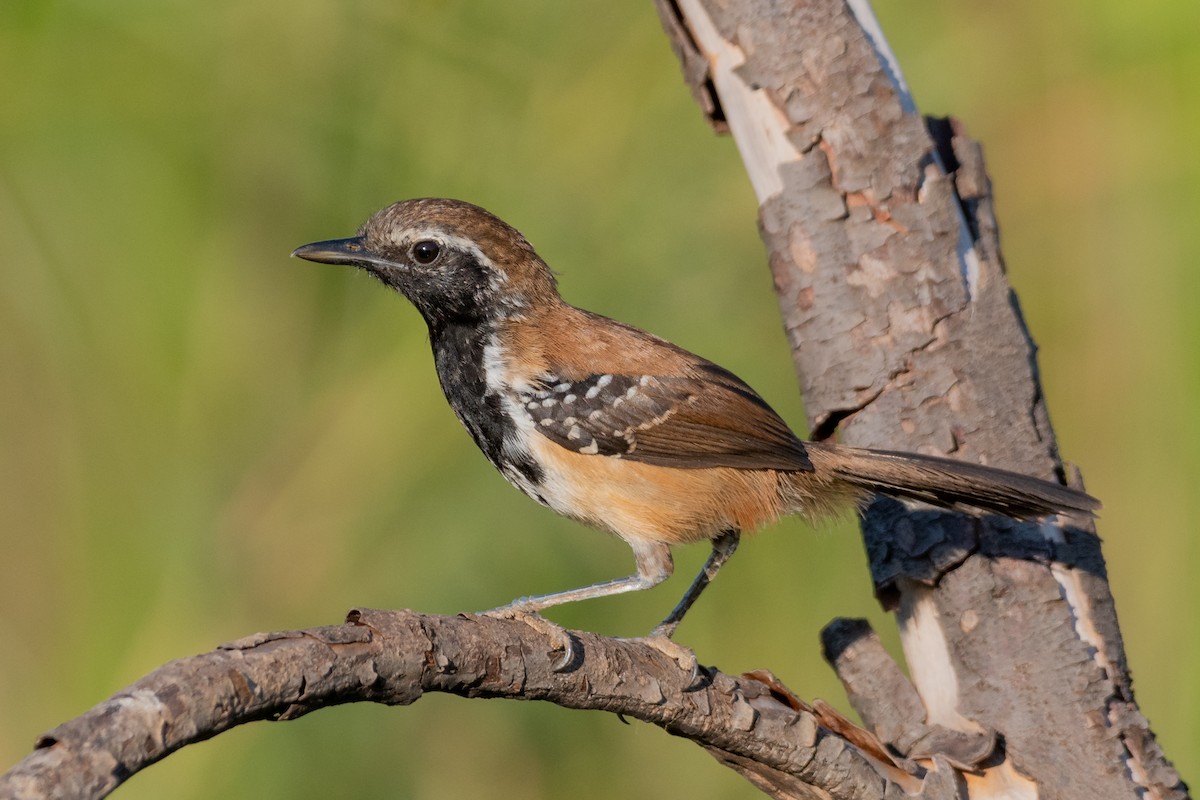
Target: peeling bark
x: 906, y: 336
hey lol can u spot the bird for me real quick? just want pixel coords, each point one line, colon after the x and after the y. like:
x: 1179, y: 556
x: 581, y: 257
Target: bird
x: 619, y: 429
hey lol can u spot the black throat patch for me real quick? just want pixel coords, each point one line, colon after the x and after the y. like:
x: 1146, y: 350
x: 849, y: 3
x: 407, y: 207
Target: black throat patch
x: 458, y: 353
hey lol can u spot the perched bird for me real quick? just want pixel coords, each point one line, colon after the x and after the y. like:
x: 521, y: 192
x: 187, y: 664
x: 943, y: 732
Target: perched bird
x: 616, y: 428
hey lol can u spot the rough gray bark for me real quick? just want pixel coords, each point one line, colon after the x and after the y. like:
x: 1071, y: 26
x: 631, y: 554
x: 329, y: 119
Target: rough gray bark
x: 393, y: 657
x: 906, y: 336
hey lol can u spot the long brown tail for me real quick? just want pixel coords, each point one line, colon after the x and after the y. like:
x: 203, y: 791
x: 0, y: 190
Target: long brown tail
x: 944, y: 482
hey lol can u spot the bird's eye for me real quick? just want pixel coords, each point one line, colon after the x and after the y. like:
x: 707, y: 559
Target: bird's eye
x: 426, y: 251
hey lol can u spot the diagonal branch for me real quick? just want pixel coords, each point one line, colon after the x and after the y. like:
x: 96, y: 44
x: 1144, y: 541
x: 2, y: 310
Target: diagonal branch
x: 907, y: 336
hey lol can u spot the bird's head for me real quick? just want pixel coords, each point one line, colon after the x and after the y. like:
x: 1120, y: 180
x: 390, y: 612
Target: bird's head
x: 454, y: 261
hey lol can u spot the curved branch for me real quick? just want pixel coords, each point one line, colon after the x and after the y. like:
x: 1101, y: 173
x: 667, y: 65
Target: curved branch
x: 886, y: 258
x: 394, y: 657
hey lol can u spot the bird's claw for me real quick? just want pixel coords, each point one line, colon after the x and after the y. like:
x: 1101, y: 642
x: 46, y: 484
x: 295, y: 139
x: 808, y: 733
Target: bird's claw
x: 682, y: 655
x: 561, y: 638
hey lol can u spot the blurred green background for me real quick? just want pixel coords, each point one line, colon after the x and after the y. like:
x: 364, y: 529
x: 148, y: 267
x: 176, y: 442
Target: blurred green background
x: 200, y: 437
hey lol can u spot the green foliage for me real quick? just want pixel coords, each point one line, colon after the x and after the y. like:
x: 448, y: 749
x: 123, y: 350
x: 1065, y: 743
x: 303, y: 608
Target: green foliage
x: 200, y: 437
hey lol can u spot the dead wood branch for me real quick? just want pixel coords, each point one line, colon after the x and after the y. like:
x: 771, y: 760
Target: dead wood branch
x: 906, y: 336
x: 394, y: 657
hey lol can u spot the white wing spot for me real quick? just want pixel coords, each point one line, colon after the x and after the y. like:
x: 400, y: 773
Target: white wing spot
x: 644, y: 380
x: 546, y: 423
x: 569, y: 421
x: 591, y: 449
x: 660, y: 419
x: 604, y: 380
x: 562, y: 387
x: 548, y: 402
x: 569, y: 399
x: 595, y: 415
x: 631, y: 392
x: 574, y: 433
x: 592, y: 392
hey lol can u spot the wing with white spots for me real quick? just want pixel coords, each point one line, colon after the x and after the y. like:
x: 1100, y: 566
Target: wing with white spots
x: 710, y: 420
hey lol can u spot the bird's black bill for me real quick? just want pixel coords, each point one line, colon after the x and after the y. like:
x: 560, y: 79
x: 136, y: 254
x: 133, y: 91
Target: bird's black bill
x: 333, y: 251
x: 352, y: 251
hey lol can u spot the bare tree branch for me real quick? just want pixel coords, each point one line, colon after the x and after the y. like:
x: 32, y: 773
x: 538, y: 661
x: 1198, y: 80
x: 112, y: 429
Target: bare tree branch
x: 394, y: 657
x: 906, y: 336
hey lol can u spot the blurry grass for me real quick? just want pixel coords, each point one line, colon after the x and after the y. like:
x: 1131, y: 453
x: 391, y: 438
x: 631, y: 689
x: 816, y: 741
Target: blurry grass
x: 200, y: 437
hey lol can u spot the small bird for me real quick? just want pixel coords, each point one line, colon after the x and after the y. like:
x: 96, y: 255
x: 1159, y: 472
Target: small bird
x: 614, y: 427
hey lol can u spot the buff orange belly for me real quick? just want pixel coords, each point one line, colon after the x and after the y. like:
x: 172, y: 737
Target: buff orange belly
x: 653, y: 503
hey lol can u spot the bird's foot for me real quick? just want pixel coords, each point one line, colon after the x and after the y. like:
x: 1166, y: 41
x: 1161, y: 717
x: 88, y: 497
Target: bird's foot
x: 557, y: 634
x: 682, y: 655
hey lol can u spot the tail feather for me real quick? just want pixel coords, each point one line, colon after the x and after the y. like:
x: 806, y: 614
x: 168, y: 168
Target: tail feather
x: 944, y: 482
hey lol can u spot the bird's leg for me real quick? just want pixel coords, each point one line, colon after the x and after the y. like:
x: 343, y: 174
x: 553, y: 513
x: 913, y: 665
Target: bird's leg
x: 654, y: 565
x: 722, y: 548
x: 660, y: 638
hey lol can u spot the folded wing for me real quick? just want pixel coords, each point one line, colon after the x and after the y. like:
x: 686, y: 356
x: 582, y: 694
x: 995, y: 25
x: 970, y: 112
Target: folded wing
x: 709, y: 419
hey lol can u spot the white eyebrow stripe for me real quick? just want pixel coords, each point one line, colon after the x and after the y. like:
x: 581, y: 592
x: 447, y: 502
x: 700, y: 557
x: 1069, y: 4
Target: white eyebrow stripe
x: 406, y: 237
